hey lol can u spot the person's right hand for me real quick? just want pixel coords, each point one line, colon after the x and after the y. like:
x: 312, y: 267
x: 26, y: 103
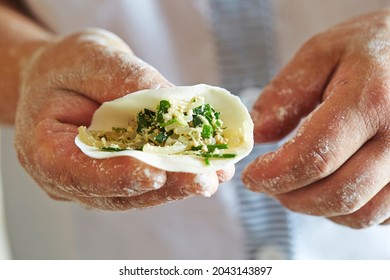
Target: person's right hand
x: 64, y: 82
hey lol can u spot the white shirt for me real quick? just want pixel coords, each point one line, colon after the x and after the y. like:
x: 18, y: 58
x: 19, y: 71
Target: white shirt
x: 196, y: 228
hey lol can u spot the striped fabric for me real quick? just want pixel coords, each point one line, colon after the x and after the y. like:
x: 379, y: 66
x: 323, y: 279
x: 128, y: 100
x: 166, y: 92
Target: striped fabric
x: 266, y: 222
x: 246, y: 59
x: 244, y: 40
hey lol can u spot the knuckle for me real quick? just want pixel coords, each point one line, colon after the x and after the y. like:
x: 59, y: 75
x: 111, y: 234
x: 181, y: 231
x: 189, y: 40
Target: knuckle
x: 347, y: 202
x: 315, y: 41
x: 353, y: 197
x: 95, y: 36
x: 318, y: 44
x: 321, y: 165
x: 378, y: 104
x: 320, y: 162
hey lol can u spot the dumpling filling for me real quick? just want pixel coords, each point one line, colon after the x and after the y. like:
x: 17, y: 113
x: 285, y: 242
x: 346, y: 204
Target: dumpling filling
x: 175, y: 127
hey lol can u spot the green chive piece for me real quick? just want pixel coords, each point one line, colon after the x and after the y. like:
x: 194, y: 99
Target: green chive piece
x: 162, y: 109
x: 207, y: 131
x: 111, y: 149
x: 161, y: 137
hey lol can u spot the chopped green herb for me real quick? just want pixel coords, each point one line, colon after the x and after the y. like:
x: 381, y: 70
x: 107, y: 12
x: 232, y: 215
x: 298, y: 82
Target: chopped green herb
x: 111, y: 149
x: 207, y: 131
x: 209, y: 155
x: 206, y: 111
x: 149, y: 113
x: 171, y: 121
x: 197, y: 121
x: 162, y: 109
x: 144, y: 121
x: 161, y: 137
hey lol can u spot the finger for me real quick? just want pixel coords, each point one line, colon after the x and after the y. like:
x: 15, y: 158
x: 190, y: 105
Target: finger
x: 50, y: 152
x: 376, y: 211
x: 226, y: 174
x: 350, y: 188
x: 54, y: 192
x: 295, y: 91
x: 327, y: 138
x: 62, y: 162
x: 178, y: 186
x: 386, y: 222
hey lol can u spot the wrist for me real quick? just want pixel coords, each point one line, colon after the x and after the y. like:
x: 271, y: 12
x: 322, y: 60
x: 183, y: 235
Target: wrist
x: 16, y: 60
x: 20, y: 37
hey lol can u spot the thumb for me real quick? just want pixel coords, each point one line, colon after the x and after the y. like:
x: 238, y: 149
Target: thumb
x: 295, y: 91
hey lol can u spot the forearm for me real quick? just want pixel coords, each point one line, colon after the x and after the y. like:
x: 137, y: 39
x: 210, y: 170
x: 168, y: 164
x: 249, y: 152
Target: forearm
x: 20, y: 37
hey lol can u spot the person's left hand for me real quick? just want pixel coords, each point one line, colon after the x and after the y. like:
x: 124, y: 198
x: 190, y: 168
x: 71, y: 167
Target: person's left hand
x: 64, y: 82
x: 338, y: 163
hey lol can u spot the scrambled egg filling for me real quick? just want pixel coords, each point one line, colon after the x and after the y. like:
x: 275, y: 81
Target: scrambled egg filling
x: 176, y: 127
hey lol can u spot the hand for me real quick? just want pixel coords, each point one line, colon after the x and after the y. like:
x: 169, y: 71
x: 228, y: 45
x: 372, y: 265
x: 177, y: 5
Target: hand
x: 64, y: 83
x: 338, y: 163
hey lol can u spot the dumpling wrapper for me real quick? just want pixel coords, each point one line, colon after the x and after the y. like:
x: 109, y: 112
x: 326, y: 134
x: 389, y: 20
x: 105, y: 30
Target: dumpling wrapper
x: 235, y: 117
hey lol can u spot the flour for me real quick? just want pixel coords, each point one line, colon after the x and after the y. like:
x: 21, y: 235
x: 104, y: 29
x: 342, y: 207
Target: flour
x: 207, y: 183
